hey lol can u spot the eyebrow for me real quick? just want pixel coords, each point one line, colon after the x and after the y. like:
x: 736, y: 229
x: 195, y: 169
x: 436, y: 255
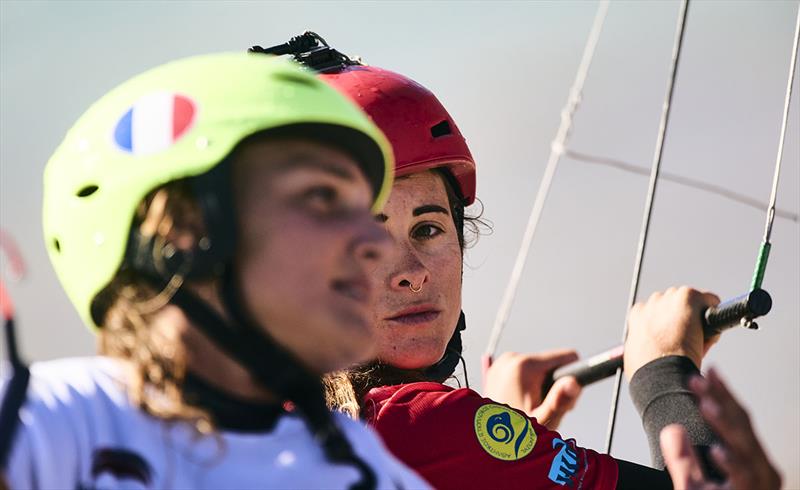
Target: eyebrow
x: 427, y: 208
x: 303, y: 161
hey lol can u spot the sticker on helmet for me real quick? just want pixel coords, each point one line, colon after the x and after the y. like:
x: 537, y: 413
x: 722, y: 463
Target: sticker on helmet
x: 154, y: 123
x: 504, y: 433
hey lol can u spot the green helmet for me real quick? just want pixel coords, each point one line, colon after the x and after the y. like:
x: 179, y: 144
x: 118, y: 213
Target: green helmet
x: 175, y: 121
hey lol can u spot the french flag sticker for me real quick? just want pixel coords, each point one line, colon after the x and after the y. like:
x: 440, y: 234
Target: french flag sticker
x: 154, y: 123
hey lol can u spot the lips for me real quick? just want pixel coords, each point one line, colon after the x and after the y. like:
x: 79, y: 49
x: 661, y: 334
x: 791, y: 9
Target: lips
x: 416, y: 315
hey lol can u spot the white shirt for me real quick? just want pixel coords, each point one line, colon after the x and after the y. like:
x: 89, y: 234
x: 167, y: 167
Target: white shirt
x: 79, y: 430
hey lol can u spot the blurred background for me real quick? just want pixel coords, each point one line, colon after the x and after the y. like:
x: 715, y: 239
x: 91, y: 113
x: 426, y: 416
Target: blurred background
x: 503, y: 70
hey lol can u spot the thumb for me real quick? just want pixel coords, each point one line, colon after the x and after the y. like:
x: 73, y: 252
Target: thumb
x: 708, y: 343
x: 553, y: 359
x: 680, y: 458
x: 559, y: 400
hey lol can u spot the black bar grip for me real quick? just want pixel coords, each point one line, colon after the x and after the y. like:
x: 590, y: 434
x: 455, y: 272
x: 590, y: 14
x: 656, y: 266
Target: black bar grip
x: 716, y: 319
x: 748, y: 306
x: 587, y: 371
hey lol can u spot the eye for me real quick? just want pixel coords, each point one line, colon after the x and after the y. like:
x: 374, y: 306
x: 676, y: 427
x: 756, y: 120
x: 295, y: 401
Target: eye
x: 426, y: 231
x: 321, y: 198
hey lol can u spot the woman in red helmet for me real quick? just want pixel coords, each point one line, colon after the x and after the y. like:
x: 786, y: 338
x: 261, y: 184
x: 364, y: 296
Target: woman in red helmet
x: 454, y: 437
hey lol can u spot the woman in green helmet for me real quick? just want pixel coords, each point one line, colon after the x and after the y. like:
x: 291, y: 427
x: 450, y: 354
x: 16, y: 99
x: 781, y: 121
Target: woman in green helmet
x: 211, y: 220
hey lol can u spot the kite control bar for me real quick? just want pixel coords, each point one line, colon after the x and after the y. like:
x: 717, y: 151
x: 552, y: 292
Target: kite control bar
x: 741, y: 310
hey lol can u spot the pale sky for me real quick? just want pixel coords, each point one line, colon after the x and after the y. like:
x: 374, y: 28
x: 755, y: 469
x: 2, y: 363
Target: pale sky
x: 503, y: 70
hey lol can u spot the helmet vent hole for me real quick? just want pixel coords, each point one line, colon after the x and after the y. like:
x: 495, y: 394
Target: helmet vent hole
x: 292, y: 78
x: 56, y: 245
x: 441, y: 129
x: 87, y: 191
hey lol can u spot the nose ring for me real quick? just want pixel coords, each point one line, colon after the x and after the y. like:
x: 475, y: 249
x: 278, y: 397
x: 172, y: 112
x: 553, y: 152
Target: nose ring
x: 411, y: 287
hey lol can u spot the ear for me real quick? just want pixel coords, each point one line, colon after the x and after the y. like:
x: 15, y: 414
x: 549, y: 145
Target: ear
x: 198, y: 238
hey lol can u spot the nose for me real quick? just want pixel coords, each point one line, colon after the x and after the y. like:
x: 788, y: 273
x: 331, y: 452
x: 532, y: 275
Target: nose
x: 371, y: 242
x: 409, y: 271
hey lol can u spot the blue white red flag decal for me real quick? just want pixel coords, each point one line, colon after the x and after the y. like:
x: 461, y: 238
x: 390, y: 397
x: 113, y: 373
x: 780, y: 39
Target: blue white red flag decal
x: 154, y: 123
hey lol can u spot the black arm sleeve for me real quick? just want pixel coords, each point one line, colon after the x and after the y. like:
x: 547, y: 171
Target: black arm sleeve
x: 659, y: 392
x: 635, y: 477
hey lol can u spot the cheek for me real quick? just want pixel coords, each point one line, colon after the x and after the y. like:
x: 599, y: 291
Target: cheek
x: 445, y: 267
x: 379, y: 272
x: 286, y: 266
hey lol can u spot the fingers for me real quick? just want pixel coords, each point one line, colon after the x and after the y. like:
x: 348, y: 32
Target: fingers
x: 723, y: 413
x: 668, y: 323
x: 719, y: 389
x: 705, y: 300
x: 680, y: 458
x: 722, y: 459
x: 505, y: 357
x: 686, y: 293
x: 740, y: 456
x: 564, y: 394
x: 709, y: 342
x: 708, y: 298
x: 549, y: 360
x: 561, y: 398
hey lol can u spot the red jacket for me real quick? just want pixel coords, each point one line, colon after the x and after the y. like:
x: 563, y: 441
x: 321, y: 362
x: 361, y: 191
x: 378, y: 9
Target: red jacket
x: 455, y: 438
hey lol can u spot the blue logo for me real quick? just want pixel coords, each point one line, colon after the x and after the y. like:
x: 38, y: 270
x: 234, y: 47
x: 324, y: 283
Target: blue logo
x: 565, y: 464
x: 504, y: 433
x: 499, y: 427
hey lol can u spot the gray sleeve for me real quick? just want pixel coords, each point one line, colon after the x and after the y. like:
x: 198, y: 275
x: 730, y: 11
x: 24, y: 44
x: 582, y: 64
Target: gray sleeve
x: 660, y: 394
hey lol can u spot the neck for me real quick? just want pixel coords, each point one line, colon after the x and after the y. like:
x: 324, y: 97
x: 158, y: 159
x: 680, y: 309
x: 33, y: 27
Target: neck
x: 204, y: 359
x: 377, y: 374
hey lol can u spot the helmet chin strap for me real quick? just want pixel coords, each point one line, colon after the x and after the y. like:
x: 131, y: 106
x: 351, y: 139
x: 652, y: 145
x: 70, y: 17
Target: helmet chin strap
x: 273, y: 367
x: 446, y: 366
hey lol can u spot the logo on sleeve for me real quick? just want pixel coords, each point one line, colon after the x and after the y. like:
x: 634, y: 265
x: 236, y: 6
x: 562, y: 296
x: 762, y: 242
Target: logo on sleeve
x: 504, y: 433
x: 564, y: 465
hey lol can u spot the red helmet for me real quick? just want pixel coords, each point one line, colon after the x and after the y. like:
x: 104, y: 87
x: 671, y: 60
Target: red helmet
x: 421, y: 131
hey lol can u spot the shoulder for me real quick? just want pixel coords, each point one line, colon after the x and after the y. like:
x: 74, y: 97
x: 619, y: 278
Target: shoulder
x: 80, y: 375
x: 423, y: 422
x: 428, y: 406
x: 456, y: 437
x: 418, y: 396
x: 70, y: 384
x: 415, y: 402
x: 66, y: 403
x: 67, y: 387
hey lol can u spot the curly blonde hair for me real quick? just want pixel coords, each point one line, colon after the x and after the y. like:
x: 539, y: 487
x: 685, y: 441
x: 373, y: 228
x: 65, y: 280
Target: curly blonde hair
x: 129, y: 304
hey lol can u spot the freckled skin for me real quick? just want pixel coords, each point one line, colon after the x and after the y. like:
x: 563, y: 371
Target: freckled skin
x: 427, y: 254
x: 303, y: 232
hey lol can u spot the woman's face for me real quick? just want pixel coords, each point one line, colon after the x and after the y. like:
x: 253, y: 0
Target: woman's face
x: 413, y: 328
x: 306, y: 240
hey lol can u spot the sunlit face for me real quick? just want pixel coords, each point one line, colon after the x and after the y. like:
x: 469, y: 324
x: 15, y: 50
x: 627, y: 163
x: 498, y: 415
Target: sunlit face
x: 306, y: 239
x: 413, y: 328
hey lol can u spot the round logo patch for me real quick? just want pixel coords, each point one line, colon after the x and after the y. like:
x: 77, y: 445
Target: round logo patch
x: 504, y: 433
